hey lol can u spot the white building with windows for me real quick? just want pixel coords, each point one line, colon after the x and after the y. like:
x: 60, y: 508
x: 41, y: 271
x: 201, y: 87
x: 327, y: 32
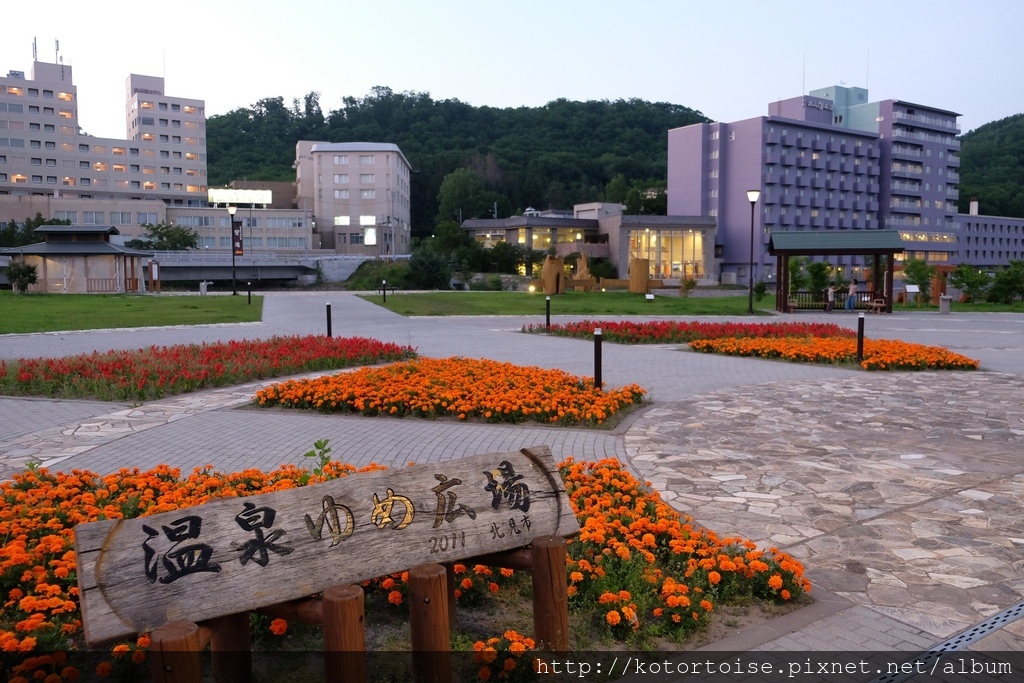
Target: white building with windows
x: 358, y: 195
x: 44, y: 152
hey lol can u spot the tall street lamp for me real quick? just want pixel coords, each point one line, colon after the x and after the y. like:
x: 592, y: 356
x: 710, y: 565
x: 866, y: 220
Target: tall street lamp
x: 236, y: 246
x: 752, y: 197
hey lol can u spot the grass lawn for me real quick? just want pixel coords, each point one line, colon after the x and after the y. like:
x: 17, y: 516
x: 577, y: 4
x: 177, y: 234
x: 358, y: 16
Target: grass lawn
x: 570, y: 303
x: 58, y: 312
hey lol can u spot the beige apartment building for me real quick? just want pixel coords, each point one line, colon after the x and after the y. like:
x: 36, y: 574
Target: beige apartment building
x: 349, y: 198
x: 357, y: 194
x: 43, y: 150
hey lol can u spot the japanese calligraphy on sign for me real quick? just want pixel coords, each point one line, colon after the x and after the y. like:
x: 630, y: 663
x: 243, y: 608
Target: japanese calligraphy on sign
x: 237, y: 554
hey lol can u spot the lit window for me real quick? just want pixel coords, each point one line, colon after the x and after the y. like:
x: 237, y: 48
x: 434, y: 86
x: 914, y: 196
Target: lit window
x: 342, y: 220
x: 99, y: 166
x: 367, y: 194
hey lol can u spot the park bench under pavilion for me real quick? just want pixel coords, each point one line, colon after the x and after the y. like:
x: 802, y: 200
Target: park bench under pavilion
x: 883, y: 245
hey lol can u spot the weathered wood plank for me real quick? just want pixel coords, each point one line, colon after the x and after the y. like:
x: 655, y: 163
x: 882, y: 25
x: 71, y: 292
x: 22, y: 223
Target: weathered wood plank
x: 239, y: 554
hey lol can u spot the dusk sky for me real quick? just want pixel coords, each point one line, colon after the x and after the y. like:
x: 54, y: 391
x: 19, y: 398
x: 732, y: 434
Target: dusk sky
x: 727, y: 59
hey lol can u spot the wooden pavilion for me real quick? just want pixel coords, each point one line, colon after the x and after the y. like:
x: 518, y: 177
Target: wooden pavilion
x: 883, y: 245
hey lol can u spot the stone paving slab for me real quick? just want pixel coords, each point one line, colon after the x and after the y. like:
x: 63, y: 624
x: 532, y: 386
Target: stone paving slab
x: 905, y: 499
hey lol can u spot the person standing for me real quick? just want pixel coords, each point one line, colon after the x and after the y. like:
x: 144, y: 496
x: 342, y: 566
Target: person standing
x: 851, y: 295
x: 830, y: 297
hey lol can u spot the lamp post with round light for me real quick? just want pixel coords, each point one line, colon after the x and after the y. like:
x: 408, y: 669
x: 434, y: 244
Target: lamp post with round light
x: 752, y: 197
x: 236, y: 238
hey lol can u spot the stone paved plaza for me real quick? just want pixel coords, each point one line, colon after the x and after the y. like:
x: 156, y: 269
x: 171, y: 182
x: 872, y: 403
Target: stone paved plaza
x: 903, y: 493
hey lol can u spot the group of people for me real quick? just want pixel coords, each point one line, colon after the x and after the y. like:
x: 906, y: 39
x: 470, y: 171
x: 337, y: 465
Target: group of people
x: 851, y: 296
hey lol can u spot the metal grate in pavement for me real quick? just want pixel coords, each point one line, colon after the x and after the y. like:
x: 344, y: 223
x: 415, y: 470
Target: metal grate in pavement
x: 959, y: 642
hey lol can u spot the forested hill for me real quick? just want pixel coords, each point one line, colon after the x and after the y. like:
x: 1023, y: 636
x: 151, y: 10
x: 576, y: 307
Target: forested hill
x: 556, y: 155
x: 992, y: 168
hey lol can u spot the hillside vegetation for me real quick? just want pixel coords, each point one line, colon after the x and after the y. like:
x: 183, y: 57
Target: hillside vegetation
x: 992, y: 168
x: 556, y: 155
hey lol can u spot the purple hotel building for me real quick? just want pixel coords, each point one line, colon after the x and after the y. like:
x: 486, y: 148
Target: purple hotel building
x: 829, y: 160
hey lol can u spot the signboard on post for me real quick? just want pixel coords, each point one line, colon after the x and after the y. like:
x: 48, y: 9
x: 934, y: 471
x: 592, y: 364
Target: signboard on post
x: 239, y: 554
x: 236, y: 237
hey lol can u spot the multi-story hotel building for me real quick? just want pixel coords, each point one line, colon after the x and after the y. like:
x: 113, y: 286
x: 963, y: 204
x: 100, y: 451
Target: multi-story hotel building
x: 358, y: 194
x: 829, y: 160
x: 44, y: 152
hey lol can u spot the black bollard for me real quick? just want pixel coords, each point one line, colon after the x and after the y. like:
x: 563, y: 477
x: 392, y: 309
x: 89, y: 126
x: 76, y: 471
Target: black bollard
x: 860, y: 337
x: 384, y: 289
x: 597, y: 358
x: 249, y: 287
x: 328, y: 320
x: 547, y: 314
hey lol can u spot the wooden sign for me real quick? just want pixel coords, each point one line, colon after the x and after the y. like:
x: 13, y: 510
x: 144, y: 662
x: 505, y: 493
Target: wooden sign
x: 239, y: 554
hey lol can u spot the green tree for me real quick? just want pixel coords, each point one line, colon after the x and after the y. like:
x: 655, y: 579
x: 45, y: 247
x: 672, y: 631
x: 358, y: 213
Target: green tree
x: 461, y: 196
x: 429, y: 270
x: 798, y: 279
x: 1008, y: 284
x: 20, y: 275
x: 819, y: 273
x: 166, y: 237
x: 16, y: 234
x: 918, y: 272
x: 971, y: 281
x: 448, y: 238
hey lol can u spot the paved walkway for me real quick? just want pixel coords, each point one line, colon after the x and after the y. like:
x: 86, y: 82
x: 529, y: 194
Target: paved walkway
x: 903, y: 492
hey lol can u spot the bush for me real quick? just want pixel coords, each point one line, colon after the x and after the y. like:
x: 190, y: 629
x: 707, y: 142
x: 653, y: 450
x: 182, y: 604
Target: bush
x: 369, y: 275
x: 429, y: 270
x: 20, y: 275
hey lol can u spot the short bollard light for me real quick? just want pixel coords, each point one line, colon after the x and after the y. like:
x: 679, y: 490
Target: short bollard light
x: 248, y: 286
x: 384, y: 289
x: 328, y: 320
x: 860, y: 337
x: 547, y: 314
x: 597, y: 358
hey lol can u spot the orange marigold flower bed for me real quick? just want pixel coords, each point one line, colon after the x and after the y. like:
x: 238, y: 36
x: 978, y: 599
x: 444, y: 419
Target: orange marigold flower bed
x: 463, y: 388
x: 635, y: 557
x: 883, y: 354
x: 678, y: 572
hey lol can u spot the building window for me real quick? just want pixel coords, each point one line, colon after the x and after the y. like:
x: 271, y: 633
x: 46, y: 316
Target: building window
x: 367, y: 194
x: 341, y: 178
x: 355, y: 238
x: 367, y: 178
x: 366, y: 160
x: 341, y: 194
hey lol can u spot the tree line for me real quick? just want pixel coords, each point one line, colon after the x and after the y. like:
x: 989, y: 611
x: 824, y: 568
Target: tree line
x: 556, y: 155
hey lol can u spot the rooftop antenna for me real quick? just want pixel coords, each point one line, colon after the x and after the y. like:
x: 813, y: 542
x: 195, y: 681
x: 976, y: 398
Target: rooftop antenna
x: 803, y: 77
x: 35, y: 54
x: 867, y: 71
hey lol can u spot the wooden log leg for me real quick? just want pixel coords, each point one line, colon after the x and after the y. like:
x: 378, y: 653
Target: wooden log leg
x: 550, y: 597
x: 449, y: 568
x: 428, y: 620
x: 344, y: 635
x: 174, y: 651
x: 231, y: 649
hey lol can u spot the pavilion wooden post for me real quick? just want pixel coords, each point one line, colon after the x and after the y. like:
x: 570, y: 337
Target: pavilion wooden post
x: 428, y: 621
x: 174, y: 652
x: 231, y: 649
x: 344, y: 630
x: 550, y: 597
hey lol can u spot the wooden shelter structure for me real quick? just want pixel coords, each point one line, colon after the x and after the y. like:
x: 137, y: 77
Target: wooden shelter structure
x: 883, y: 245
x: 80, y: 259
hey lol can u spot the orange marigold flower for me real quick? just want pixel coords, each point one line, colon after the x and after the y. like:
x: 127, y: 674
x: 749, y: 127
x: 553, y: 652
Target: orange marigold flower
x: 120, y: 650
x: 395, y: 597
x: 785, y: 595
x: 714, y: 577
x: 103, y: 669
x: 613, y: 617
x: 775, y: 582
x: 278, y: 627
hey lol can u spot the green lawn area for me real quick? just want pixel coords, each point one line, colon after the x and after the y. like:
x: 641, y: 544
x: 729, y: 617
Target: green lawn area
x: 570, y: 303
x: 58, y: 312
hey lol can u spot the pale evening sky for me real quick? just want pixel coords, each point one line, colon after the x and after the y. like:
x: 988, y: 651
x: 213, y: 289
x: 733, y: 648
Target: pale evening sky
x: 727, y: 58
